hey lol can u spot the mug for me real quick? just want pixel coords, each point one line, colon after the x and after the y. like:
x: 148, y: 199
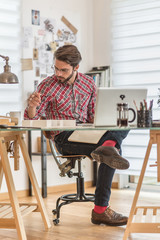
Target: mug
x: 123, y: 114
x: 15, y: 117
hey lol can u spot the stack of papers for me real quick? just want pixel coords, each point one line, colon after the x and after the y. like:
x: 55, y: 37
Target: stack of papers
x: 49, y: 123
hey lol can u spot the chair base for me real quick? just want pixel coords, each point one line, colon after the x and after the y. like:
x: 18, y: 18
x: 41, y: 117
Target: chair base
x: 80, y: 196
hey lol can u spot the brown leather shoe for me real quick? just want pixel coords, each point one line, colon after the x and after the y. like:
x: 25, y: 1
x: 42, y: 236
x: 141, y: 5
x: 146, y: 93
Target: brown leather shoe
x: 110, y: 156
x: 109, y: 217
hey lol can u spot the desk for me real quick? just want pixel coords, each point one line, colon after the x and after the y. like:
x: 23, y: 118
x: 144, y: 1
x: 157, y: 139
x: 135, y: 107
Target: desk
x: 140, y: 227
x: 144, y: 214
x: 11, y: 214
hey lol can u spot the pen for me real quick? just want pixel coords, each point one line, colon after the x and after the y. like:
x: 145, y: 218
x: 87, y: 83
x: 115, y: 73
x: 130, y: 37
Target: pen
x: 151, y: 105
x: 141, y: 106
x: 145, y: 104
x: 135, y: 104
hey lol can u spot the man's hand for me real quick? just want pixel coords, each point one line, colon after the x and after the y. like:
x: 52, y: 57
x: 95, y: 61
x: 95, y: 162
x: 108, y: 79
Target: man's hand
x: 34, y: 100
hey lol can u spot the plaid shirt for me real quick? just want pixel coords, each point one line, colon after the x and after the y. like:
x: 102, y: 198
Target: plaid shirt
x: 64, y: 101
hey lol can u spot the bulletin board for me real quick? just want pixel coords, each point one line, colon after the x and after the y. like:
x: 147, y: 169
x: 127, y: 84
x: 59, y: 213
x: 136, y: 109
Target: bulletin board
x: 48, y: 35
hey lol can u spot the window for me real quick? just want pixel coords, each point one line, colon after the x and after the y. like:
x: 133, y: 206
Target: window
x: 10, y: 32
x: 136, y: 63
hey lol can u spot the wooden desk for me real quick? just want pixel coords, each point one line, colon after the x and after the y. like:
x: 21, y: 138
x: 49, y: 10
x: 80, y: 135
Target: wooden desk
x: 141, y: 218
x: 11, y: 214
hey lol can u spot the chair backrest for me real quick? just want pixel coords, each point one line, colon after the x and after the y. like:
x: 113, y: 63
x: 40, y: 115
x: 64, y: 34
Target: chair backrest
x: 64, y: 167
x: 67, y: 165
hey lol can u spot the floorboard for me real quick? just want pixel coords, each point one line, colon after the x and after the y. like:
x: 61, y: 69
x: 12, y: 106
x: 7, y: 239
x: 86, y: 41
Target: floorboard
x: 75, y: 221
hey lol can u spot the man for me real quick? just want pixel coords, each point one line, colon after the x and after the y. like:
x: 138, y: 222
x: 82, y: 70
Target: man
x: 69, y: 94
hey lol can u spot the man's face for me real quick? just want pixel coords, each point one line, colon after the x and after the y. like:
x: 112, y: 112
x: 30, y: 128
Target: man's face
x: 63, y: 70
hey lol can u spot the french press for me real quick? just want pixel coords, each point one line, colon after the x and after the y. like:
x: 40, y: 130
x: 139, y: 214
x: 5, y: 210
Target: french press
x: 123, y: 114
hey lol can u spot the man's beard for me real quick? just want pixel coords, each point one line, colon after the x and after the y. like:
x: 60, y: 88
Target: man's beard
x: 65, y: 79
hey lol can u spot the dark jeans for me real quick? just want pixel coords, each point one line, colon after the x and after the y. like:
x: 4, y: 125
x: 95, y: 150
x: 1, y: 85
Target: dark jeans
x: 105, y: 173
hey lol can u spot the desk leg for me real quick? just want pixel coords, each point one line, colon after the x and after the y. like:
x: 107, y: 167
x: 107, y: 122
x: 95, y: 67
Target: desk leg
x: 127, y: 231
x: 34, y: 182
x: 158, y: 158
x: 44, y: 165
x: 12, y: 192
x: 1, y: 173
x: 30, y: 155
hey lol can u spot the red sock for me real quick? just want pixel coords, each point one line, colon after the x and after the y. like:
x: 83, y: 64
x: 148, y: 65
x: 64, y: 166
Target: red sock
x: 110, y: 143
x: 99, y: 209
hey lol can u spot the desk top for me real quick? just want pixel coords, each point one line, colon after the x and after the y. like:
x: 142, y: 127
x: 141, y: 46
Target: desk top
x: 66, y: 128
x: 64, y: 125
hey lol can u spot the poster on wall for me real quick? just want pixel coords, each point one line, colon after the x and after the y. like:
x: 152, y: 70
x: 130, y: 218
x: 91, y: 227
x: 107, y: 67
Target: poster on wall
x: 35, y: 17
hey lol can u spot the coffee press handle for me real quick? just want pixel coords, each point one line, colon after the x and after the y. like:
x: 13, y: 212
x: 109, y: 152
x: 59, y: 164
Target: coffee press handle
x: 134, y: 115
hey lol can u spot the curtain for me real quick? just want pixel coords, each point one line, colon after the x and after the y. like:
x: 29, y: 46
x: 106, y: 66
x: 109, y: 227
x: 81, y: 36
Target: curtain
x: 10, y: 45
x: 136, y: 63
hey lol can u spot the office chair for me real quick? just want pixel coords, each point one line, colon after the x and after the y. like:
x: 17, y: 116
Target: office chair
x: 65, y: 169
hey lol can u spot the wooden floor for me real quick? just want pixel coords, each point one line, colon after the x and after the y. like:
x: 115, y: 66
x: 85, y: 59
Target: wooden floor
x: 75, y: 221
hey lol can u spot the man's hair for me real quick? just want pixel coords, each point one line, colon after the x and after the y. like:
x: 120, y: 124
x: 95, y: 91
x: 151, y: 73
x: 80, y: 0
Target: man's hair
x: 68, y: 54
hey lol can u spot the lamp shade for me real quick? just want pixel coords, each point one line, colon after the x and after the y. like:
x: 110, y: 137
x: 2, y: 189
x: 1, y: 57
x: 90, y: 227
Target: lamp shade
x: 7, y: 77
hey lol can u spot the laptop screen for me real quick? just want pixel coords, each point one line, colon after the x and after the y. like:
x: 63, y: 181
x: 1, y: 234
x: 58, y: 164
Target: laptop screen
x: 106, y: 103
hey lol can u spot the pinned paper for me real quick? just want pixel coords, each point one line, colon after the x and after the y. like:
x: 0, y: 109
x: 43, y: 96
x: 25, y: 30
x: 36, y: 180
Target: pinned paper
x: 27, y: 64
x: 69, y: 25
x: 35, y: 50
x: 53, y: 46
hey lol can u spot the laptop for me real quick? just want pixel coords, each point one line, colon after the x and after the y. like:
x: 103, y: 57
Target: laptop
x: 106, y: 104
x: 106, y: 111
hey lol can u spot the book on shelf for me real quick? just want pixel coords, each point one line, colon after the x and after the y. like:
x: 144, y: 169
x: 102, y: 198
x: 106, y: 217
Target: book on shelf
x: 101, y: 76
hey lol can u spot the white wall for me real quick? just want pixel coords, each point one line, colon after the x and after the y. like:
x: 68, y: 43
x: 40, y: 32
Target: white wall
x: 102, y: 32
x: 80, y: 14
x: 91, y: 18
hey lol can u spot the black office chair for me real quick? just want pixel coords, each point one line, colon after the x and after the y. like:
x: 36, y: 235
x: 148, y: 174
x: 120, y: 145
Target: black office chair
x: 65, y: 169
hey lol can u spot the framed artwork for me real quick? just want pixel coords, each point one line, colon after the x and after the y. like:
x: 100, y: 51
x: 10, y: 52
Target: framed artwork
x: 35, y: 17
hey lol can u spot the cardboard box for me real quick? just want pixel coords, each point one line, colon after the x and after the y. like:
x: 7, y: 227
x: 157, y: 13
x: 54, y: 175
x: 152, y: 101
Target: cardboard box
x: 39, y: 145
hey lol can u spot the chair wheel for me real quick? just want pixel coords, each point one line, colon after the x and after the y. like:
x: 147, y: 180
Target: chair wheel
x: 54, y: 211
x: 56, y: 221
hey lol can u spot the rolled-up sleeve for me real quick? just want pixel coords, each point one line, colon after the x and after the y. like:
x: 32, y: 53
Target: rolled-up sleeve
x: 92, y: 103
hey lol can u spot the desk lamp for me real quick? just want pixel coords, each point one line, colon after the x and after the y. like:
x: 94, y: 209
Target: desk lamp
x: 7, y: 77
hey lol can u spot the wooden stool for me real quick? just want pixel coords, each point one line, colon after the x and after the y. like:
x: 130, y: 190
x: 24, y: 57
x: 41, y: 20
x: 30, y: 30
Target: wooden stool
x: 145, y: 219
x: 11, y: 214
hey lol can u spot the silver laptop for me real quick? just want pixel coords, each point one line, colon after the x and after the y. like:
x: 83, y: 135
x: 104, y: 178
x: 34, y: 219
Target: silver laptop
x: 106, y: 103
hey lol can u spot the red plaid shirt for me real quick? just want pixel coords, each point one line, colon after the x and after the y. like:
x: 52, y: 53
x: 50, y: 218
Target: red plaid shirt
x: 64, y: 101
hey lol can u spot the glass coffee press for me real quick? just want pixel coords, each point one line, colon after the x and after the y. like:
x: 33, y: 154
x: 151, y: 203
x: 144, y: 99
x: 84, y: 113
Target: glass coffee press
x: 123, y: 111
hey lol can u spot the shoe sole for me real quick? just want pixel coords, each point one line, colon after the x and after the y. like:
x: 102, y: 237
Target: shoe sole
x: 112, y: 162
x: 109, y: 224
